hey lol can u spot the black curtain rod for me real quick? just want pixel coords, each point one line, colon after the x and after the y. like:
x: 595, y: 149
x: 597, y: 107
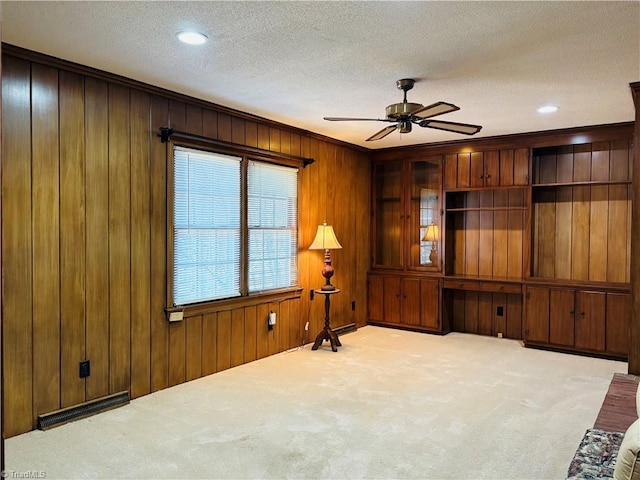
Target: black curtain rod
x: 165, y: 133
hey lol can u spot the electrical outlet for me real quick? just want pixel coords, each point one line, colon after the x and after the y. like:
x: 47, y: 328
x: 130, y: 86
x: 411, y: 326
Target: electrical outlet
x: 500, y: 311
x: 311, y: 294
x: 306, y: 327
x: 499, y: 334
x: 85, y: 369
x: 353, y: 305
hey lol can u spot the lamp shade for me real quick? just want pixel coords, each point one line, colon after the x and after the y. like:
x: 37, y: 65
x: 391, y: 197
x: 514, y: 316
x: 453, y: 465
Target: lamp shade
x: 431, y: 235
x: 325, y: 239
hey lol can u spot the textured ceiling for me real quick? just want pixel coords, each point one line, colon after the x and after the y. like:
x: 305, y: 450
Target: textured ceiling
x: 295, y: 62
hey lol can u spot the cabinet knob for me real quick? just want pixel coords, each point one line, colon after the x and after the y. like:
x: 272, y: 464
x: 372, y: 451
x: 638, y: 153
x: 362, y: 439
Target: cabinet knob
x: 582, y: 314
x: 572, y: 312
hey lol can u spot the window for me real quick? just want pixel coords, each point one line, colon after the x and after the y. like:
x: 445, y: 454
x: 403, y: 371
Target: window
x: 215, y: 237
x: 273, y: 217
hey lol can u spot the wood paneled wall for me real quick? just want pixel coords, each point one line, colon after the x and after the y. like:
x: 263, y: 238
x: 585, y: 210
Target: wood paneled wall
x: 84, y: 240
x: 583, y: 232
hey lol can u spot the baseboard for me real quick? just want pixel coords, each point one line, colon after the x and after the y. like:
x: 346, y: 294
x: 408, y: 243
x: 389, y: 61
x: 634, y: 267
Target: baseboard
x: 69, y: 414
x: 349, y: 327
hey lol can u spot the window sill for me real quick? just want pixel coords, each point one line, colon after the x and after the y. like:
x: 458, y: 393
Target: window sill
x: 236, y: 302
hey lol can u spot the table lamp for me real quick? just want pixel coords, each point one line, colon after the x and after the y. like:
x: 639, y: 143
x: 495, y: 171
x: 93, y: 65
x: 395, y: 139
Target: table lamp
x: 326, y: 240
x: 431, y: 235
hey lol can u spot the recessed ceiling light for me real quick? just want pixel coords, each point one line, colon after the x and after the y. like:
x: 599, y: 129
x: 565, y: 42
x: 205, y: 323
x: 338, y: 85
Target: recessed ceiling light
x: 548, y: 109
x: 192, y: 38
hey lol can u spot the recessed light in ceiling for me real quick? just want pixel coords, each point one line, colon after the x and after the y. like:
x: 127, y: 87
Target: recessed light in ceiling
x: 192, y: 38
x: 547, y: 109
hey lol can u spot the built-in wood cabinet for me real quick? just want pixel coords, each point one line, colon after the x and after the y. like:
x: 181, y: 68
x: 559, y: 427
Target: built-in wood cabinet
x: 405, y: 301
x: 485, y: 232
x: 406, y: 215
x: 534, y: 238
x: 581, y: 212
x: 577, y: 319
x: 405, y: 284
x: 489, y: 168
x: 580, y: 234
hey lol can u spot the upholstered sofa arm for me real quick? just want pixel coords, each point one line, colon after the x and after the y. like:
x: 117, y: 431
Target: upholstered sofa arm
x: 627, y: 464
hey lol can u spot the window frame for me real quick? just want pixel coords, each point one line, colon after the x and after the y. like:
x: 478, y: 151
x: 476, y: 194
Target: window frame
x: 246, y: 154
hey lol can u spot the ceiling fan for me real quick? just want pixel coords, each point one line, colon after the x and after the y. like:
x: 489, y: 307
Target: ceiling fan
x: 404, y: 114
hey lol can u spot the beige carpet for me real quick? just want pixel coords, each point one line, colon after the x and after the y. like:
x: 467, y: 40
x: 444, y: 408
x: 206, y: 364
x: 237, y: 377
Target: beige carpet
x: 389, y: 404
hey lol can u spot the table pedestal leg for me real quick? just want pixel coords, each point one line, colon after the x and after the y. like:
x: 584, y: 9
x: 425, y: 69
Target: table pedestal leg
x: 326, y: 333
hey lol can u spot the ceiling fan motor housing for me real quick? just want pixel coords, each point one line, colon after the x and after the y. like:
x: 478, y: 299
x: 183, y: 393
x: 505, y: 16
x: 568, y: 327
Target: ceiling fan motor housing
x: 399, y: 110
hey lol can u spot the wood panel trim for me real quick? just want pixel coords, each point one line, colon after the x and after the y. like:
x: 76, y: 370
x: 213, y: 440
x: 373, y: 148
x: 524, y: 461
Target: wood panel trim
x: 634, y: 335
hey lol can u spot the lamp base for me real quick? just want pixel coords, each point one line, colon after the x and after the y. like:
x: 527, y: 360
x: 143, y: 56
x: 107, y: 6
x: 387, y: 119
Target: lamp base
x: 433, y: 256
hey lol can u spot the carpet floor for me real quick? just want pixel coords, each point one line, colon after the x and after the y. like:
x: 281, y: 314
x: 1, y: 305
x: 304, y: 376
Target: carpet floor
x: 388, y: 404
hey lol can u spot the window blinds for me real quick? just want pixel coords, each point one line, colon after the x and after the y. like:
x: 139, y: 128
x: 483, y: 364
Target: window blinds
x: 206, y: 226
x: 272, y: 192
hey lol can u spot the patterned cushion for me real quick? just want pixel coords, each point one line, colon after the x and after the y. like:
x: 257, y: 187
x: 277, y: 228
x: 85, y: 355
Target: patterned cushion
x: 596, y: 455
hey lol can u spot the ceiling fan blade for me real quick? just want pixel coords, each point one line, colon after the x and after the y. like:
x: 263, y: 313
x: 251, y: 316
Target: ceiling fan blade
x: 437, y: 108
x: 349, y: 119
x: 465, y: 128
x: 382, y: 133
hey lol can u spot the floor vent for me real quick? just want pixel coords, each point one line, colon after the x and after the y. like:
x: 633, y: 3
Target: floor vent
x: 350, y: 327
x: 60, y: 417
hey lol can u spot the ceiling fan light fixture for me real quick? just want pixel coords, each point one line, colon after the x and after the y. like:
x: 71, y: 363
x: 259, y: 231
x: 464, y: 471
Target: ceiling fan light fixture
x: 192, y: 38
x: 405, y: 126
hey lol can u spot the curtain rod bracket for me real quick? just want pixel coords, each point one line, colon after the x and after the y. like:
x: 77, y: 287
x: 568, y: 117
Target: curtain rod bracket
x: 164, y: 133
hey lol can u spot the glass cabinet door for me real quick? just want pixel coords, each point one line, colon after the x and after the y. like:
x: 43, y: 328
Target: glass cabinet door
x: 388, y: 215
x: 423, y: 221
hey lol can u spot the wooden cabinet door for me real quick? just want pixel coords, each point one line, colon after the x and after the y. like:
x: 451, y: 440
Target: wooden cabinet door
x: 464, y: 166
x: 491, y: 168
x: 376, y: 293
x: 477, y: 169
x: 521, y: 166
x: 617, y: 323
x: 562, y: 317
x: 410, y: 301
x: 388, y: 214
x: 450, y: 171
x: 430, y: 303
x: 590, y: 320
x: 391, y: 299
x: 537, y: 314
x: 514, y: 167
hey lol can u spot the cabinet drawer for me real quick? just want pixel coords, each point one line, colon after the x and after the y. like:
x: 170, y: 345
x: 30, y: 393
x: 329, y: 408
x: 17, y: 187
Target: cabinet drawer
x: 501, y: 287
x: 462, y: 284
